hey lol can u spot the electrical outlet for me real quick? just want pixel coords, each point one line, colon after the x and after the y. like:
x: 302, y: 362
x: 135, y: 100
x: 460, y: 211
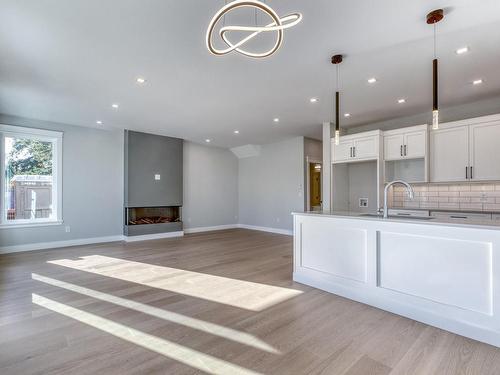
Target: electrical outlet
x: 277, y: 219
x: 157, y: 177
x: 67, y: 228
x: 363, y: 202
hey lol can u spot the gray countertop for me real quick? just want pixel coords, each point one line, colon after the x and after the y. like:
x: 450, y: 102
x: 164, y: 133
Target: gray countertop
x: 469, y: 223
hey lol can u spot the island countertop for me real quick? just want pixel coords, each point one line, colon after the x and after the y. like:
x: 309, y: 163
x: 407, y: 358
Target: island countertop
x: 467, y: 223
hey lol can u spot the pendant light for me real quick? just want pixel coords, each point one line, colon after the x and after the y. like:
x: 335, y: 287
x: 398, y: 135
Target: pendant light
x: 276, y: 27
x: 432, y: 19
x: 336, y: 60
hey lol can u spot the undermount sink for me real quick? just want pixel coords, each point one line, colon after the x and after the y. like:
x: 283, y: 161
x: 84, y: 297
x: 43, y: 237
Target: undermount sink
x: 399, y: 216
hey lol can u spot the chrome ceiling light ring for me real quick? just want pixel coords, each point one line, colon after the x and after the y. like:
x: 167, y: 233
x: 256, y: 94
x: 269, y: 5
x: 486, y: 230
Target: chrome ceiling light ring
x: 278, y: 25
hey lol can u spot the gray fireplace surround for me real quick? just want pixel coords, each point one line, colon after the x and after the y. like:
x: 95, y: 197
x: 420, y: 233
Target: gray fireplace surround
x: 153, y: 184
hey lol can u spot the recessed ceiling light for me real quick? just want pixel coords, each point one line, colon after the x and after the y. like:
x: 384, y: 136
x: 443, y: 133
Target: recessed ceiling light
x: 98, y: 122
x: 236, y: 132
x: 313, y: 100
x: 477, y: 82
x: 347, y: 115
x: 141, y: 80
x: 462, y: 50
x: 401, y: 101
x: 372, y: 80
x: 207, y: 140
x: 276, y: 119
x: 115, y: 105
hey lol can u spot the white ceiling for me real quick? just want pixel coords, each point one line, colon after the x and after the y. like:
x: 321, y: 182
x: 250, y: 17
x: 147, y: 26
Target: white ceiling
x: 68, y: 61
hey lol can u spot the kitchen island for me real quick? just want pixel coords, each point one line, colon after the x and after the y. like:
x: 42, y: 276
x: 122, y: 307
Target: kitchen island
x: 445, y: 274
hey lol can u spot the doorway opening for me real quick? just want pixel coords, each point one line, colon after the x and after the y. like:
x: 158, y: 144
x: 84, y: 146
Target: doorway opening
x: 314, y: 197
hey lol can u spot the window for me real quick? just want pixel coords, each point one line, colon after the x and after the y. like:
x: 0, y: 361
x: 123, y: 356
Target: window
x: 31, y: 183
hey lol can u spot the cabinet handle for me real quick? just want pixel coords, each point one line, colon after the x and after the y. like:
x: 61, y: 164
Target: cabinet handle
x: 401, y: 150
x: 458, y: 217
x: 471, y: 175
x: 466, y: 173
x: 354, y: 151
x: 405, y: 151
x: 350, y: 152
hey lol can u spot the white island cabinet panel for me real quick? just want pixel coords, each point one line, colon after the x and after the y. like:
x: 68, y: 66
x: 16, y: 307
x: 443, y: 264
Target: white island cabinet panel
x: 337, y: 251
x: 458, y: 274
x: 442, y: 273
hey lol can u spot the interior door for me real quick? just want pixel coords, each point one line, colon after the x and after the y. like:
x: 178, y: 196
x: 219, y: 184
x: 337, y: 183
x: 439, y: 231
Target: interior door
x: 393, y: 147
x: 366, y: 148
x: 484, y: 151
x: 342, y: 151
x: 415, y: 144
x: 449, y: 154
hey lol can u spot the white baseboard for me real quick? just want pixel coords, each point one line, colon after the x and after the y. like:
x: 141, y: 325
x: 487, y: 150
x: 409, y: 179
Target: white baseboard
x: 58, y: 244
x: 155, y: 236
x: 267, y: 229
x: 209, y: 229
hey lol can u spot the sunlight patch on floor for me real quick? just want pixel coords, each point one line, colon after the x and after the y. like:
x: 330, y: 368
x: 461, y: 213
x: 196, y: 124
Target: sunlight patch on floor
x: 238, y: 293
x: 190, y: 357
x: 211, y: 328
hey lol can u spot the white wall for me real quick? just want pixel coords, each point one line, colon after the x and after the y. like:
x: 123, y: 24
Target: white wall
x: 92, y: 186
x: 271, y: 185
x: 210, y: 186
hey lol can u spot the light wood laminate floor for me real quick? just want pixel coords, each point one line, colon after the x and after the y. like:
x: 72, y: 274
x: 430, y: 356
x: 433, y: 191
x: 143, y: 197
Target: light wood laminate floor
x: 219, y: 302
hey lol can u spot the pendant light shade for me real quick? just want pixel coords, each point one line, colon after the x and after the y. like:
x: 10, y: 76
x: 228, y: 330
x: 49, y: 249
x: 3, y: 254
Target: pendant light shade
x: 432, y: 19
x: 336, y: 60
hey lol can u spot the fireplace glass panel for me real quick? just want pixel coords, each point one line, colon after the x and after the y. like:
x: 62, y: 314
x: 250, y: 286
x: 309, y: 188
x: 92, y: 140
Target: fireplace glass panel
x: 152, y: 215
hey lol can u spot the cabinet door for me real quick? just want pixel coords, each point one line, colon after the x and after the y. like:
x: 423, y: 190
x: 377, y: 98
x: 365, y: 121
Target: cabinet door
x: 485, y: 151
x: 393, y: 147
x: 449, y: 154
x: 366, y: 148
x: 415, y: 144
x: 342, y: 151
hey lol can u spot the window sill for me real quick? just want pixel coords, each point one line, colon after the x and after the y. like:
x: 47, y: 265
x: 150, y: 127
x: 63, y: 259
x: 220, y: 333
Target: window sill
x: 32, y: 225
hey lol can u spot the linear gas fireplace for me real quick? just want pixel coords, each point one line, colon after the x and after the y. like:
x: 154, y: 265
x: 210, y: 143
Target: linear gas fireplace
x: 149, y: 220
x: 153, y: 186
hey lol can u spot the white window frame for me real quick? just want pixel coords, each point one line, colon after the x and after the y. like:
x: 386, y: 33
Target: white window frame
x: 56, y: 138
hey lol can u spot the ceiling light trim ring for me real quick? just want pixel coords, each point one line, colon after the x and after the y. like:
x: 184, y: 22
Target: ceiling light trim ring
x: 278, y: 25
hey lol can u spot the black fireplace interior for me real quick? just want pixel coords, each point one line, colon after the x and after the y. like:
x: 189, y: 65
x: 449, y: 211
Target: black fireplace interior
x: 152, y: 215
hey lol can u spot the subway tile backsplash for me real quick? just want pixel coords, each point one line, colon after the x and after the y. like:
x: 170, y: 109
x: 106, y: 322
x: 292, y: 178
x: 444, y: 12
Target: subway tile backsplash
x: 463, y: 197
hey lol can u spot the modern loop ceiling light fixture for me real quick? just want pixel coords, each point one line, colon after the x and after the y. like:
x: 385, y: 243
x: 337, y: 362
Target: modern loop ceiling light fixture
x: 336, y: 60
x: 432, y: 19
x: 277, y: 25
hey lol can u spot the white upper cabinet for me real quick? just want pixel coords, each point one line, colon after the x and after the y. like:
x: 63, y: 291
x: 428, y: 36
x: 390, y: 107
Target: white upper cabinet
x: 393, y: 146
x: 484, y: 141
x: 357, y: 147
x: 467, y: 150
x: 416, y: 144
x: 366, y: 147
x: 406, y: 143
x: 342, y: 151
x: 449, y: 154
